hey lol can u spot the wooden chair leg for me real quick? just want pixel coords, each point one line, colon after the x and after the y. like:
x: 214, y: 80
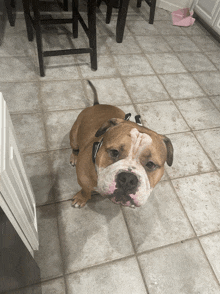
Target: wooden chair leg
x: 75, y: 26
x: 121, y: 20
x: 92, y: 32
x: 35, y: 4
x: 98, y: 3
x: 152, y: 11
x: 138, y: 3
x: 108, y: 14
x: 65, y: 5
x: 9, y: 7
x: 29, y: 26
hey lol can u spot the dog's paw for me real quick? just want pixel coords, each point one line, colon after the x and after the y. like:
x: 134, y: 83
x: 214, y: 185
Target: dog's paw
x: 73, y: 159
x: 79, y: 200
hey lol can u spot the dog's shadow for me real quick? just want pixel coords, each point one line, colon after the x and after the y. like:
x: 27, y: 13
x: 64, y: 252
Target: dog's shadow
x: 97, y: 204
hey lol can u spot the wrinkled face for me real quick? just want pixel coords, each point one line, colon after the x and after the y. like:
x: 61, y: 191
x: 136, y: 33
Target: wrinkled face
x: 129, y: 164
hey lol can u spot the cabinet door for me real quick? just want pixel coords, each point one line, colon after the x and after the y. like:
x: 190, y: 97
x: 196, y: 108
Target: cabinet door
x: 216, y: 26
x: 207, y: 10
x: 16, y: 197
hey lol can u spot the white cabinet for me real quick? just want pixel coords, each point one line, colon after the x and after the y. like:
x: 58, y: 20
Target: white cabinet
x: 16, y: 194
x: 208, y: 11
x: 216, y: 25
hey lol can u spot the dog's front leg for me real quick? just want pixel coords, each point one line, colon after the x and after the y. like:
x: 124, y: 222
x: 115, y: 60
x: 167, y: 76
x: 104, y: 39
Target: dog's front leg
x: 73, y: 157
x: 80, y: 199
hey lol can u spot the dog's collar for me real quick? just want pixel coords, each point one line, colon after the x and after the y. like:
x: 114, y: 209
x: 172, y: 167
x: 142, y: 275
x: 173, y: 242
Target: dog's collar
x: 95, y: 149
x: 97, y: 145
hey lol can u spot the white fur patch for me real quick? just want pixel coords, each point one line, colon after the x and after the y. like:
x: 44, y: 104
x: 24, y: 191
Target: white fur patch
x: 139, y: 141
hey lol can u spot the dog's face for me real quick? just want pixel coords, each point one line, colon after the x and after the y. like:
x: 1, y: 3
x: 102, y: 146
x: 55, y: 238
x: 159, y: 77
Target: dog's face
x: 130, y: 161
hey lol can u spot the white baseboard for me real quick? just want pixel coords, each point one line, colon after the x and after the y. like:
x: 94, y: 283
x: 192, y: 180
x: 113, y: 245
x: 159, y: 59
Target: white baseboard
x: 167, y: 5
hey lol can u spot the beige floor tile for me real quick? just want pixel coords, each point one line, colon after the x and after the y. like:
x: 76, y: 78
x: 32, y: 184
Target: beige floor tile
x: 133, y: 64
x: 58, y: 126
x: 206, y: 43
x: 200, y: 113
x: 92, y: 235
x: 209, y: 81
x: 181, y: 269
x: 63, y: 95
x: 216, y: 101
x: 17, y: 45
x: 167, y: 28
x: 210, y: 141
x: 153, y: 44
x: 215, y: 58
x: 38, y: 171
x: 142, y: 28
x: 106, y: 67
x: 144, y: 89
x: 181, y: 85
x: 29, y: 131
x: 60, y: 68
x: 166, y: 63
x: 200, y: 197
x: 109, y: 30
x: 195, y: 30
x: 21, y: 97
x: 64, y: 180
x: 128, y: 46
x: 159, y: 222
x: 189, y: 157
x: 48, y: 257
x: 19, y: 28
x: 161, y: 14
x: 53, y: 286
x: 117, y: 278
x: 211, y: 245
x: 110, y: 91
x: 196, y: 61
x: 162, y: 117
x: 181, y: 43
x: 18, y: 69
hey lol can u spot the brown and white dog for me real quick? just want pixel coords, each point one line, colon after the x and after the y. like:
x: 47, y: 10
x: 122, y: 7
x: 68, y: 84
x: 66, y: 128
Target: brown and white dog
x: 119, y: 159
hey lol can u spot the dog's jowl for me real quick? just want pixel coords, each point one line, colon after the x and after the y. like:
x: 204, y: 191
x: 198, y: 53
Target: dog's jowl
x: 119, y: 159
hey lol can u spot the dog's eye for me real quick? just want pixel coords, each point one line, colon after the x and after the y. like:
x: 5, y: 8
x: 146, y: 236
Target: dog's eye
x: 114, y: 153
x: 150, y: 165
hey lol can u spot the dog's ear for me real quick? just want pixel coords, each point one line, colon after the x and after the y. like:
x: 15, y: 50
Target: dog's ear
x: 169, y: 150
x: 107, y: 125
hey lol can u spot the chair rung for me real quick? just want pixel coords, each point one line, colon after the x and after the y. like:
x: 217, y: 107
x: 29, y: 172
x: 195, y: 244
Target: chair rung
x: 56, y: 21
x: 83, y: 24
x: 67, y: 52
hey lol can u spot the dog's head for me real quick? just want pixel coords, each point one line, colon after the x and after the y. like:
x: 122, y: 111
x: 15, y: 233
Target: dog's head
x: 130, y: 161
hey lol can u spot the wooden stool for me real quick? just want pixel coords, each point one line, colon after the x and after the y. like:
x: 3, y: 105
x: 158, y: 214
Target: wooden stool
x: 122, y: 14
x: 35, y: 21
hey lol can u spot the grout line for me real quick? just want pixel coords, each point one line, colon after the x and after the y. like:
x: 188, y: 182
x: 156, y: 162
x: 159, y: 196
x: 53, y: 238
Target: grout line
x: 196, y: 236
x: 133, y: 245
x: 61, y: 248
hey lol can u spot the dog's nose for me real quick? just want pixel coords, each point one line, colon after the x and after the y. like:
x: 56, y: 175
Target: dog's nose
x: 127, y: 181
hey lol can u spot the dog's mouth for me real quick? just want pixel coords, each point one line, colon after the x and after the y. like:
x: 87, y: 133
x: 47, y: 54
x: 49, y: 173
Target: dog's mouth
x: 121, y: 197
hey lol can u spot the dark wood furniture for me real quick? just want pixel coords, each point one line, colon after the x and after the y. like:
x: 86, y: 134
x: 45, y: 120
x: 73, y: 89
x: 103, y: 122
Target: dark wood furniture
x: 35, y: 20
x: 122, y: 14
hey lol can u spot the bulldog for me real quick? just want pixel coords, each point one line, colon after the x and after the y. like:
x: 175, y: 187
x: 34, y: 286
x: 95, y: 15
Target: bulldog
x: 119, y: 159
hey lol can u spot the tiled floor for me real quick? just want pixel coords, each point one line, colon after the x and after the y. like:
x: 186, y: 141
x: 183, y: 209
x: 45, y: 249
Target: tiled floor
x: 171, y: 76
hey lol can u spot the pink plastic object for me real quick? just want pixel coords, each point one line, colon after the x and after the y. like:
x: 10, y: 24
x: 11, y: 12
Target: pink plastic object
x: 182, y: 17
